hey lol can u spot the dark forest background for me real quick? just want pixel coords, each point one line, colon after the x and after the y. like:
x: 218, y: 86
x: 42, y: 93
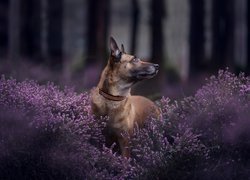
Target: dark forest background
x: 66, y: 41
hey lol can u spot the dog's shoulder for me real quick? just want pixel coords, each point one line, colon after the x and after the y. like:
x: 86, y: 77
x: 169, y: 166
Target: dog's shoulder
x: 97, y: 104
x: 144, y: 108
x: 94, y: 95
x: 141, y: 101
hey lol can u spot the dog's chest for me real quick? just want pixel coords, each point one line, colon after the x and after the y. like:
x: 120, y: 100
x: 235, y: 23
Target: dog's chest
x: 121, y: 114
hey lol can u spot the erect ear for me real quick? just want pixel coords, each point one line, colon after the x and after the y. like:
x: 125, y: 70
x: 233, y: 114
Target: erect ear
x: 122, y: 49
x: 115, y: 51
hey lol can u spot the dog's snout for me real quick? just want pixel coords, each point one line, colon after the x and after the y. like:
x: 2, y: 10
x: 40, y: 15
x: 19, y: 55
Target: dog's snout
x: 156, y: 66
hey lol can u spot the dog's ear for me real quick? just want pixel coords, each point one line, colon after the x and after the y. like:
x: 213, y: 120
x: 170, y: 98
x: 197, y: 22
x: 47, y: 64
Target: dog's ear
x: 115, y: 51
x: 122, y: 49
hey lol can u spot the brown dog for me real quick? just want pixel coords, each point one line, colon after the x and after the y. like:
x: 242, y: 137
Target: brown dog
x: 112, y: 96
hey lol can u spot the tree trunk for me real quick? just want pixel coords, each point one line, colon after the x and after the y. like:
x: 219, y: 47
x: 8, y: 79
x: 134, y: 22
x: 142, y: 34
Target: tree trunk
x: 98, y: 20
x: 44, y: 30
x: 157, y: 41
x: 14, y: 31
x: 197, y: 38
x: 158, y: 13
x: 223, y: 34
x: 134, y: 26
x: 30, y: 31
x: 3, y: 27
x: 248, y: 37
x: 55, y: 33
x: 240, y: 35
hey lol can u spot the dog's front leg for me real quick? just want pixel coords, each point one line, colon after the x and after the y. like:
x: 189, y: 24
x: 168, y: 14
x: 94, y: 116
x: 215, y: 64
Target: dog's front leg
x: 124, y: 147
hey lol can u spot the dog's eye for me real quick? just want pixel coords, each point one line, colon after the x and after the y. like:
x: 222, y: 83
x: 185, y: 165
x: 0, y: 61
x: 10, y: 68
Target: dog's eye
x: 135, y: 60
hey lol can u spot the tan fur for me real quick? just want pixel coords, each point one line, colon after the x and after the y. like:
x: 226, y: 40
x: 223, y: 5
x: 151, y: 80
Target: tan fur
x: 117, y: 79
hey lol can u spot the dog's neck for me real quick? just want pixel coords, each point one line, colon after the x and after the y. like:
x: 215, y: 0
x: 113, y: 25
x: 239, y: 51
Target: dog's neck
x: 114, y: 87
x: 110, y: 96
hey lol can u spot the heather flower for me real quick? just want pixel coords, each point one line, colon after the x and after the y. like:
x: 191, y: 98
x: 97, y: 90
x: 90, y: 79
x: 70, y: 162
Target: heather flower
x: 219, y: 112
x: 50, y: 133
x: 167, y: 148
x: 54, y: 132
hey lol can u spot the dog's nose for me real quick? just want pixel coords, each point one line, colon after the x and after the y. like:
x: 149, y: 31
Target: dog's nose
x: 156, y: 66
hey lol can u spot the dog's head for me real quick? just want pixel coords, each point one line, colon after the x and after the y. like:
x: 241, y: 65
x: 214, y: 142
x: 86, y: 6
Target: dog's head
x: 129, y: 67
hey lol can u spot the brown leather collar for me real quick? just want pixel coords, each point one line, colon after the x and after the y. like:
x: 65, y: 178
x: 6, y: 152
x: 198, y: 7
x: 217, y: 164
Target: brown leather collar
x: 110, y: 96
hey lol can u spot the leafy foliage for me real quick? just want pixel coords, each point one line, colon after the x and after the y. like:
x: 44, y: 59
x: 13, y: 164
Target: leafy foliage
x: 49, y: 133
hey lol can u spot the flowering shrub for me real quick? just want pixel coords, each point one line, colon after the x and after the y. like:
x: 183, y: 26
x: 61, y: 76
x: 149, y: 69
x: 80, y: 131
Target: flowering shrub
x: 50, y: 133
x: 158, y: 156
x: 219, y: 112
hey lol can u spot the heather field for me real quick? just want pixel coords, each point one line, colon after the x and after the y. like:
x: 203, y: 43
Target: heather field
x: 48, y: 132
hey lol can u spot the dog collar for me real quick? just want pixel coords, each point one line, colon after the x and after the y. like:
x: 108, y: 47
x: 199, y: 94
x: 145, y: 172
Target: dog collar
x: 110, y: 96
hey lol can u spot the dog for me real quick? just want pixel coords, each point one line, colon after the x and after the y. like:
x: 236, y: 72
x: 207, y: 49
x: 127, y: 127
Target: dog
x: 112, y: 96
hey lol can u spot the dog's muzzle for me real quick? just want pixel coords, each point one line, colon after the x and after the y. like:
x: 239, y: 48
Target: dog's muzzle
x: 148, y: 72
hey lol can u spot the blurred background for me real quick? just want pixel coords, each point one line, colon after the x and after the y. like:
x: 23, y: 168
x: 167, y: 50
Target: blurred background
x: 67, y: 41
